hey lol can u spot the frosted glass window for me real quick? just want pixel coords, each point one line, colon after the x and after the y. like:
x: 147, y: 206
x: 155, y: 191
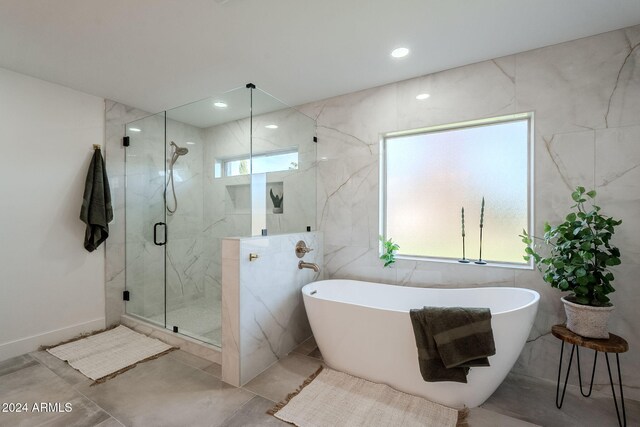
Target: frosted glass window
x: 429, y: 175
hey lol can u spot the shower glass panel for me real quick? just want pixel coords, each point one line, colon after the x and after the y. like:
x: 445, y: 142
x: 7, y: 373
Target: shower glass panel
x: 197, y: 174
x: 208, y: 129
x: 145, y: 213
x: 283, y: 179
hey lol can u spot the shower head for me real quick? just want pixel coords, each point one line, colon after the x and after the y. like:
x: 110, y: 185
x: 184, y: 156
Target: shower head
x: 179, y: 151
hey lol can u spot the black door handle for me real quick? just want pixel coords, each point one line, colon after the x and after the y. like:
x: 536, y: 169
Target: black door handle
x: 155, y: 234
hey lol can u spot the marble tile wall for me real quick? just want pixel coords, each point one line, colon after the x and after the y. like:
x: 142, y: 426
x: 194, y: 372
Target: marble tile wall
x: 222, y: 217
x: 263, y: 312
x: 227, y: 200
x: 116, y: 116
x: 145, y: 165
x: 145, y: 181
x: 586, y: 98
x: 186, y: 262
x: 209, y: 208
x: 295, y: 130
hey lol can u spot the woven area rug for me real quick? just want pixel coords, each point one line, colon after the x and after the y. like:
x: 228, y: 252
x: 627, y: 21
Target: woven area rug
x: 109, y: 353
x: 332, y: 398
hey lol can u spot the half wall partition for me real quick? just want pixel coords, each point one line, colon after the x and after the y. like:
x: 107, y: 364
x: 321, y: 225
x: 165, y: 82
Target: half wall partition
x: 235, y: 165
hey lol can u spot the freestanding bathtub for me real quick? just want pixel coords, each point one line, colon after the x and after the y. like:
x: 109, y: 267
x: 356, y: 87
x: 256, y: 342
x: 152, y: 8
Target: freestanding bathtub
x: 364, y: 329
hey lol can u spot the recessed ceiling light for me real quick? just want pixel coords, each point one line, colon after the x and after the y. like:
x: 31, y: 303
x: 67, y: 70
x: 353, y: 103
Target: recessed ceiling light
x: 271, y: 126
x: 135, y: 130
x: 220, y: 104
x: 400, y: 52
x: 423, y: 96
x: 191, y: 143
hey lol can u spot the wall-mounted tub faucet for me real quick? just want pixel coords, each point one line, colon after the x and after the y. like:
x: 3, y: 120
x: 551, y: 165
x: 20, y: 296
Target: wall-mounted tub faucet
x: 310, y: 265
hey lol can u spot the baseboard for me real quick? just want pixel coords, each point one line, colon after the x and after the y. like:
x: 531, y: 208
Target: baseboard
x: 32, y: 343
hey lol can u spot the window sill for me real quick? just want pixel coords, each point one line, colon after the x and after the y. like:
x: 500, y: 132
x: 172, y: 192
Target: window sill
x: 510, y: 265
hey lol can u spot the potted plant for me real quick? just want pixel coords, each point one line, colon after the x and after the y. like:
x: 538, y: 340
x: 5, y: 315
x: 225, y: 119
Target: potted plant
x: 578, y: 254
x: 389, y: 249
x: 277, y: 202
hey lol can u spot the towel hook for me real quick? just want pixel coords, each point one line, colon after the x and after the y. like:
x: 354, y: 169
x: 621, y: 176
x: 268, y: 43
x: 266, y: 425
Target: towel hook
x: 96, y: 146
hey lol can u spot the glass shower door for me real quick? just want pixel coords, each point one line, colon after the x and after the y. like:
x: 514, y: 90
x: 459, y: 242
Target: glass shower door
x: 145, y: 165
x: 199, y: 173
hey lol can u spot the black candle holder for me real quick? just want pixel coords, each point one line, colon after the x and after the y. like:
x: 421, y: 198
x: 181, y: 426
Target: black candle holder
x: 480, y: 261
x: 464, y: 259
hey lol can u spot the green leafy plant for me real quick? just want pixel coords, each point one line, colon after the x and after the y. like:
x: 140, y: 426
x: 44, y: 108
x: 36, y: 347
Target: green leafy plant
x: 579, y: 252
x: 388, y: 251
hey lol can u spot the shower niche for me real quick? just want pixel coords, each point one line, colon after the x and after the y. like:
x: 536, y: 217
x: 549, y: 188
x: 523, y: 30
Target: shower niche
x: 221, y: 157
x: 238, y: 199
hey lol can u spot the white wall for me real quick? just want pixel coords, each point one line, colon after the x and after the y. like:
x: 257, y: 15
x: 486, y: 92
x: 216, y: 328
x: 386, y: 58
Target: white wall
x: 51, y: 288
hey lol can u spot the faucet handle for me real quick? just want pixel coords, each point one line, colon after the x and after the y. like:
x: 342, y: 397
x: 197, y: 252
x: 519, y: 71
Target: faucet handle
x: 301, y: 249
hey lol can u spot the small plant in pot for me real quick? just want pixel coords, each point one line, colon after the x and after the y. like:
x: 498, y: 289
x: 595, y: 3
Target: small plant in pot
x: 577, y: 256
x: 277, y: 202
x: 389, y: 249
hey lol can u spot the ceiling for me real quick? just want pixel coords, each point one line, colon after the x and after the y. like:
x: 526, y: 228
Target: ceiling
x: 159, y: 54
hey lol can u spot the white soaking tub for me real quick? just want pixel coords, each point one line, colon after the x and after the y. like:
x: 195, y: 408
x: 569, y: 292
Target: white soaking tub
x: 364, y: 329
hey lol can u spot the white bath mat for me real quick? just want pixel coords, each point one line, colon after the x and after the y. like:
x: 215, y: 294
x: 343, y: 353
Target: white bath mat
x: 332, y: 398
x: 109, y: 353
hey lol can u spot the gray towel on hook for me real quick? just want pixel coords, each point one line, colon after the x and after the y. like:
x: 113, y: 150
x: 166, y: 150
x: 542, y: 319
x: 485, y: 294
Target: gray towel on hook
x: 450, y: 340
x: 96, y: 211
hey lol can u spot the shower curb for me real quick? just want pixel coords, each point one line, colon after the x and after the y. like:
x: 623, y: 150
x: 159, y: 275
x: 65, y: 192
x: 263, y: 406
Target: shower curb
x: 190, y: 345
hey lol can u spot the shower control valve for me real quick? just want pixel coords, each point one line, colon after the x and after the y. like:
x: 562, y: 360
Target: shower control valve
x: 302, y: 249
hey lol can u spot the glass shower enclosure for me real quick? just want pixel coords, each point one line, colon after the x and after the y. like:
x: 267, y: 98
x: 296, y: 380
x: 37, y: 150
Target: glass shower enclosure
x: 234, y: 165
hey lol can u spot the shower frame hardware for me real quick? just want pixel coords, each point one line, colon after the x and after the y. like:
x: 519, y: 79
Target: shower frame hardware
x: 302, y: 249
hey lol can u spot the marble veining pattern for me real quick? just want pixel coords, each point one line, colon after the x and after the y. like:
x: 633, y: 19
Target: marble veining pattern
x: 269, y: 320
x: 116, y: 116
x: 585, y: 95
x: 210, y: 209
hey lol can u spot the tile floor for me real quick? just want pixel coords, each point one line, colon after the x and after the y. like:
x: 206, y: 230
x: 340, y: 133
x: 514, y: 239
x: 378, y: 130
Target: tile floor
x: 180, y: 389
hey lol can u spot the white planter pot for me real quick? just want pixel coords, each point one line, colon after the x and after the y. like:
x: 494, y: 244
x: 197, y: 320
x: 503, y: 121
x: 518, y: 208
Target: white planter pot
x: 587, y: 321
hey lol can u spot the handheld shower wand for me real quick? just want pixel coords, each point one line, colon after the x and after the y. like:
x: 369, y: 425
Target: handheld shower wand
x: 175, y: 153
x: 180, y: 151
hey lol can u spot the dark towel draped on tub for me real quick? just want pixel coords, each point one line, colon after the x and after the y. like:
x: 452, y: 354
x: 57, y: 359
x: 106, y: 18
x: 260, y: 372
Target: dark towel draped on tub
x: 450, y: 340
x: 96, y: 209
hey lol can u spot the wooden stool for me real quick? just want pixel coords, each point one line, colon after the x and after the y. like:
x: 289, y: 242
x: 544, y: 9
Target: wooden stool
x: 614, y: 344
